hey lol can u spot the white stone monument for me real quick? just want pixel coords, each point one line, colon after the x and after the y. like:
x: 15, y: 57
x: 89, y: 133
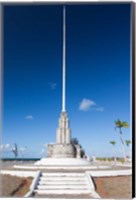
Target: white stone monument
x: 63, y: 152
x: 63, y: 147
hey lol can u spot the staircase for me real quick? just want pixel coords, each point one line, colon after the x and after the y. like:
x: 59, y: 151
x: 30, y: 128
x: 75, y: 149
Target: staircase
x: 63, y: 184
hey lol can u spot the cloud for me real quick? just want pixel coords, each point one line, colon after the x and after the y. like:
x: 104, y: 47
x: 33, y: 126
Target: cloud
x: 100, y: 109
x: 45, y: 145
x: 1, y: 147
x: 8, y: 148
x: 42, y: 151
x: 22, y: 149
x: 29, y: 117
x: 52, y: 85
x: 5, y: 147
x: 86, y: 104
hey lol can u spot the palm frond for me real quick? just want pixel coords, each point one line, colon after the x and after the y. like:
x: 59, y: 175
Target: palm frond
x: 121, y: 124
x: 128, y: 142
x: 118, y: 124
x: 112, y: 142
x: 125, y: 124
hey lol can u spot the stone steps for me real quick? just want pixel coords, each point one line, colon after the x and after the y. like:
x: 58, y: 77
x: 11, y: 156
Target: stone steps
x: 61, y: 187
x: 64, y: 196
x: 62, y: 179
x: 63, y: 174
x: 64, y: 192
x: 63, y: 184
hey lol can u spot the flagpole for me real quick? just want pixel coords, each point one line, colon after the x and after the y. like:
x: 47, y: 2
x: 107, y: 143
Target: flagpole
x: 64, y: 63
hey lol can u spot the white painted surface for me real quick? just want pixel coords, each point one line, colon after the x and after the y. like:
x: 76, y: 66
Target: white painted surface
x: 63, y: 191
x: 124, y: 164
x: 63, y: 187
x: 69, y: 167
x: 90, y: 182
x: 34, y: 184
x: 63, y: 174
x: 63, y: 183
x: 111, y: 173
x: 19, y: 173
x: 62, y: 178
x: 62, y: 162
x: 54, y: 167
x: 25, y: 167
x: 35, y: 181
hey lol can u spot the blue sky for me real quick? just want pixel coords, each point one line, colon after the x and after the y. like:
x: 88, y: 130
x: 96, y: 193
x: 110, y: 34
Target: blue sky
x: 97, y: 71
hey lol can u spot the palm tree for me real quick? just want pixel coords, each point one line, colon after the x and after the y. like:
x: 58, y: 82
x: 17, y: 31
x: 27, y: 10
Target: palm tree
x: 128, y: 142
x: 113, y: 143
x: 121, y: 124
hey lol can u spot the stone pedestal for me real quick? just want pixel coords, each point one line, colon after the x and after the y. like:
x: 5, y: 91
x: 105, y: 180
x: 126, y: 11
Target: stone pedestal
x: 60, y: 151
x: 63, y: 147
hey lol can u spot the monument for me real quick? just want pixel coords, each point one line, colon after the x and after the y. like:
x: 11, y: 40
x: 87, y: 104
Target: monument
x: 63, y: 153
x: 63, y: 147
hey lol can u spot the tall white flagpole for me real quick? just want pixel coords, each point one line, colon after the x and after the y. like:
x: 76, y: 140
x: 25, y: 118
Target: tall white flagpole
x: 64, y: 62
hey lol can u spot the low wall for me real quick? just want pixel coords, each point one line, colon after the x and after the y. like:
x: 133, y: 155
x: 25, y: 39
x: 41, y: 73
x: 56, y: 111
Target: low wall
x: 110, y: 173
x: 19, y: 173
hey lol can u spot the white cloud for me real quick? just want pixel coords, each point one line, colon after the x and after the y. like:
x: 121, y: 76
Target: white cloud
x: 22, y: 149
x: 52, y: 85
x: 86, y: 104
x: 51, y: 143
x: 1, y: 147
x: 45, y: 145
x: 101, y: 109
x: 42, y: 151
x: 5, y: 147
x: 29, y: 117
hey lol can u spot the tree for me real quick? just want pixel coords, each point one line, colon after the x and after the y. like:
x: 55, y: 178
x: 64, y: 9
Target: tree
x: 82, y: 153
x: 128, y: 142
x: 122, y: 124
x: 15, y: 150
x: 113, y: 143
x: 74, y: 142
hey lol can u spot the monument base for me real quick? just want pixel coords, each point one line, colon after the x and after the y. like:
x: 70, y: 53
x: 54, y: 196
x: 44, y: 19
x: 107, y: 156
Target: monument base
x: 63, y: 162
x: 61, y: 151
